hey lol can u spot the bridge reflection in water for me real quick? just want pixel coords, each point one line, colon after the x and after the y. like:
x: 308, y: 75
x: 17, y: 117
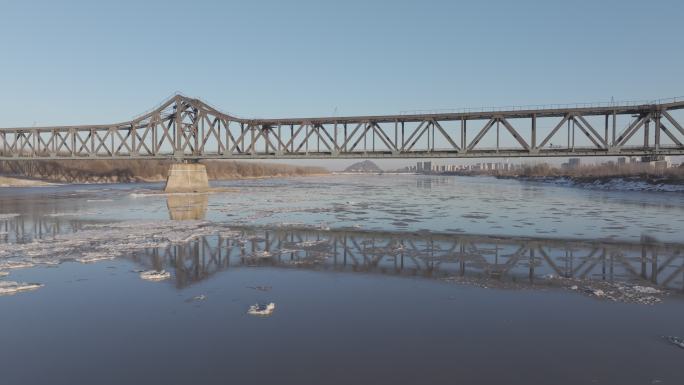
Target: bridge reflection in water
x: 521, y: 261
x: 507, y: 260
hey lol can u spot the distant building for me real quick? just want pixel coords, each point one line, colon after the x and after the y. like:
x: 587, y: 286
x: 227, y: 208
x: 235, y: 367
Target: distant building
x: 419, y: 167
x: 574, y: 162
x: 661, y: 164
x: 427, y: 166
x: 658, y: 161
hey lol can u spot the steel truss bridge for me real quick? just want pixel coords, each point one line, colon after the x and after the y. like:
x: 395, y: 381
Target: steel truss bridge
x: 184, y: 128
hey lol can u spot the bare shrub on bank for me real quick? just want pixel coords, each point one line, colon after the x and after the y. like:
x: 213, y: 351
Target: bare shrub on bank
x: 644, y: 171
x: 108, y: 171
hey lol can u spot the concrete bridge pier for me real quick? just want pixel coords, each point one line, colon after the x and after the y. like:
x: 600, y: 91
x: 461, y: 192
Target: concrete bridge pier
x: 187, y: 178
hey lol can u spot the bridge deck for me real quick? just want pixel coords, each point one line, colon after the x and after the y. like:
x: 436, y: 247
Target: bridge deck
x: 186, y: 128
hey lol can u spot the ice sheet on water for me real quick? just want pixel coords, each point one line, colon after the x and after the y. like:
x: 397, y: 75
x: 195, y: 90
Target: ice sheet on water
x: 9, y: 265
x: 99, y: 242
x: 11, y: 287
x: 8, y: 216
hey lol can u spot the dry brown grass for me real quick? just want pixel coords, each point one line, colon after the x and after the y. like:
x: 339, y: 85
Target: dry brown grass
x: 104, y: 171
x: 594, y: 172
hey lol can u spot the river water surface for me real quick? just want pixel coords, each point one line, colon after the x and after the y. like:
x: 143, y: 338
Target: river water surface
x: 392, y: 279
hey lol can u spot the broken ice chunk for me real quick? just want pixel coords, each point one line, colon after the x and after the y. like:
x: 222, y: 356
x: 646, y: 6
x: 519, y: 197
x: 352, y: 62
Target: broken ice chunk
x: 11, y: 287
x: 261, y: 310
x: 260, y: 288
x: 95, y: 257
x: 675, y: 341
x: 153, y: 275
x: 646, y: 290
x: 16, y: 265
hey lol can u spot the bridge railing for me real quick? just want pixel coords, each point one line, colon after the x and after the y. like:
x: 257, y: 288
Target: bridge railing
x: 558, y: 106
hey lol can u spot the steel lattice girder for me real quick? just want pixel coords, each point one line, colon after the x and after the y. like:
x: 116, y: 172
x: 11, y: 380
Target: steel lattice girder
x: 185, y: 128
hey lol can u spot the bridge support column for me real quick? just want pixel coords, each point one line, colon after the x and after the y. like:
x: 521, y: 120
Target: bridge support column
x: 187, y: 178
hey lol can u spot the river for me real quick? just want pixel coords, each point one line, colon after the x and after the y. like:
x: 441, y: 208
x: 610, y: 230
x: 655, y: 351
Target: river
x: 396, y: 279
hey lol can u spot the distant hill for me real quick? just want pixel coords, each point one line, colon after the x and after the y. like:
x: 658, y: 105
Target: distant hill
x: 365, y: 166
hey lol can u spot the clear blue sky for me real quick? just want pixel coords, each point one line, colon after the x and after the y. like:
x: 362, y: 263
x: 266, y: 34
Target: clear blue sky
x: 70, y: 62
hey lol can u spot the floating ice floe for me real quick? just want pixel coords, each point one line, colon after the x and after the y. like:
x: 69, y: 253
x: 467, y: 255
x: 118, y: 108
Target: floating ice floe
x: 675, y: 341
x: 197, y: 298
x: 311, y: 243
x: 4, y: 273
x: 260, y: 288
x: 9, y: 265
x: 262, y: 254
x: 8, y: 216
x: 261, y: 310
x: 153, y: 275
x: 95, y: 257
x: 11, y: 287
x: 646, y: 290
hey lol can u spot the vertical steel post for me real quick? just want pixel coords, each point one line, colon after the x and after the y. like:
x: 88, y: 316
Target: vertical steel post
x: 498, y: 121
x: 614, y: 126
x: 656, y: 122
x: 345, y: 137
x: 463, y: 134
x: 534, y: 132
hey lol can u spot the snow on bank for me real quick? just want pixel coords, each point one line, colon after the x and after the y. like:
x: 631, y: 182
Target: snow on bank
x: 613, y: 184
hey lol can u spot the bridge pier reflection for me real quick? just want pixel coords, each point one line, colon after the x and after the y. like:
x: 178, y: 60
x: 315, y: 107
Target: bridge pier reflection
x: 187, y: 206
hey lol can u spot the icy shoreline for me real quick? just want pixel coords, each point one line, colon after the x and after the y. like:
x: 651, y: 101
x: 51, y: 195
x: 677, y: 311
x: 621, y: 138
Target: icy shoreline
x: 610, y: 184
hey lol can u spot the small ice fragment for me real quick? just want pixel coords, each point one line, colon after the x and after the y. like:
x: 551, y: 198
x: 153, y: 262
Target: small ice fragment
x: 646, y: 289
x: 153, y: 275
x: 4, y: 273
x: 574, y: 287
x: 11, y: 287
x: 675, y: 341
x: 94, y: 257
x: 261, y: 310
x: 260, y: 288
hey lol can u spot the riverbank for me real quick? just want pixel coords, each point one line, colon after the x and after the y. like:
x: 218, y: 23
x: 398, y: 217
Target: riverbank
x: 127, y: 171
x: 629, y: 177
x: 633, y: 183
x: 625, y: 177
x: 22, y: 182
